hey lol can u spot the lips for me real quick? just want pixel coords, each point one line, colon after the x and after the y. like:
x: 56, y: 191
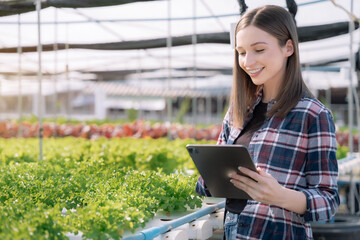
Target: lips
x: 254, y: 72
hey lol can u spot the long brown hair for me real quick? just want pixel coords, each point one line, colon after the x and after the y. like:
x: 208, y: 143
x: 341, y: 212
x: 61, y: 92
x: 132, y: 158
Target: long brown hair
x: 279, y: 23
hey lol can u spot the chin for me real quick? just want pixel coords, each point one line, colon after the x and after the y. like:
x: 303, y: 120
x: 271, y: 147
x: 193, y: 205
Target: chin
x: 257, y: 83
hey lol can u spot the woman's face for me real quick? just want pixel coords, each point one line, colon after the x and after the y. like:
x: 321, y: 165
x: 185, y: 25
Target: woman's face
x: 262, y: 58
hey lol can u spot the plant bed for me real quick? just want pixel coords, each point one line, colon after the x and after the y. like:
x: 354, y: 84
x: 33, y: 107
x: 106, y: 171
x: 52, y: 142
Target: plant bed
x: 84, y: 186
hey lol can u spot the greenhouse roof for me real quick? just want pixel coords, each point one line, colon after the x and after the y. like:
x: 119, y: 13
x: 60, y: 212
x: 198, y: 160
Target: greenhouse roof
x: 136, y: 35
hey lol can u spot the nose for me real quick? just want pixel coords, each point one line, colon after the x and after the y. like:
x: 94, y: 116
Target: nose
x: 248, y: 60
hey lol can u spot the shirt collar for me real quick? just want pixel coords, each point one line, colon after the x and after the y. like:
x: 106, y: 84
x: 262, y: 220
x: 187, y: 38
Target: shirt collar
x: 258, y: 98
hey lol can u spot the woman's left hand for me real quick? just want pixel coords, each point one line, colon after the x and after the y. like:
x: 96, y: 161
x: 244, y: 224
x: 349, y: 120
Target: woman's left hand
x: 261, y: 186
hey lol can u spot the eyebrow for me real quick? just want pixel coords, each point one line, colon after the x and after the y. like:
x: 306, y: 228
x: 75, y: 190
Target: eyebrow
x: 256, y: 43
x: 253, y: 44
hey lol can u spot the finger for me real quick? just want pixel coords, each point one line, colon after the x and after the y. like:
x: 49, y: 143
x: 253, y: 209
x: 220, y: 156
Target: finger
x: 246, y: 188
x: 239, y: 184
x: 250, y: 173
x: 248, y: 182
x: 239, y: 177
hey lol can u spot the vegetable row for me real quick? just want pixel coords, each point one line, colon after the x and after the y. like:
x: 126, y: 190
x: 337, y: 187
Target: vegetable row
x: 136, y: 129
x: 101, y: 188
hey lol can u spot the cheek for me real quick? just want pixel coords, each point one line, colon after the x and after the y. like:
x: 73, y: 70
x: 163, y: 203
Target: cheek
x: 241, y: 62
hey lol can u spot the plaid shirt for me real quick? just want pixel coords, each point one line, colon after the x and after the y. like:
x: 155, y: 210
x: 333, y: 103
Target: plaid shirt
x: 300, y: 152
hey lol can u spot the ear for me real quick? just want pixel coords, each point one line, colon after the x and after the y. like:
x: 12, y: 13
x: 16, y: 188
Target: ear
x: 289, y: 48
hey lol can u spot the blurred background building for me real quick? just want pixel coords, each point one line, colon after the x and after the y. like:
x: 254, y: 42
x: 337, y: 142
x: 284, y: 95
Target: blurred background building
x: 162, y: 60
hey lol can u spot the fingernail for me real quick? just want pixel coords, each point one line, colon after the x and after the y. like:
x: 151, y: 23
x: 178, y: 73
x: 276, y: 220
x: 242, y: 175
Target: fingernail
x: 240, y: 168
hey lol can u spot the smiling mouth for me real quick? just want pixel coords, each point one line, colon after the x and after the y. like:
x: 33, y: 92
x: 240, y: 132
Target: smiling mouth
x: 255, y: 71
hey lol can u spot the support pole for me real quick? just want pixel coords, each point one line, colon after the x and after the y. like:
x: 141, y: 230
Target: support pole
x: 194, y: 111
x: 1, y: 100
x: 350, y: 115
x: 68, y: 105
x: 19, y: 50
x: 219, y: 109
x: 194, y: 44
x: 55, y: 69
x: 39, y: 49
x: 352, y: 69
x: 140, y: 99
x: 208, y: 109
x: 169, y: 44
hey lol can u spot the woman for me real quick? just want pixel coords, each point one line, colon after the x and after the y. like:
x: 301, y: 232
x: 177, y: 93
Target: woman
x: 290, y: 135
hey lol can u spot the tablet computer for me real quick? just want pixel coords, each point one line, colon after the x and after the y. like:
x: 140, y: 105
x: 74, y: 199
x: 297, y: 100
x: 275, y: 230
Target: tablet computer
x: 216, y: 162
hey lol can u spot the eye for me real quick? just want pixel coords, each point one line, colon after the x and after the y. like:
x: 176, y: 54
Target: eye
x: 259, y: 50
x: 241, y: 53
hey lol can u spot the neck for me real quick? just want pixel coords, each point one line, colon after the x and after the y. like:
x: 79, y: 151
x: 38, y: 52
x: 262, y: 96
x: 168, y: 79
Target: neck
x: 269, y: 93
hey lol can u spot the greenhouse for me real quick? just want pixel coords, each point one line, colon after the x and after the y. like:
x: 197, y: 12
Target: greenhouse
x: 104, y: 105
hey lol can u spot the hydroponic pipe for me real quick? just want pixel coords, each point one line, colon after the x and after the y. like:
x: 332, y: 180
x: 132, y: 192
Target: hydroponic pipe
x: 153, y: 232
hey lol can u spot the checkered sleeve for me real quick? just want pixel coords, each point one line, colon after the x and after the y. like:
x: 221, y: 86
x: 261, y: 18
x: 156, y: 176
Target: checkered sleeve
x: 225, y: 129
x: 201, y: 188
x: 321, y: 169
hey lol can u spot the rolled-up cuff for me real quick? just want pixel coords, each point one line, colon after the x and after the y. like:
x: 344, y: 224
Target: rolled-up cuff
x: 201, y: 188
